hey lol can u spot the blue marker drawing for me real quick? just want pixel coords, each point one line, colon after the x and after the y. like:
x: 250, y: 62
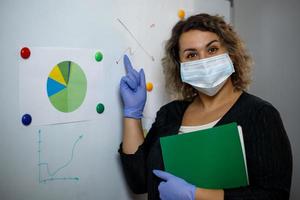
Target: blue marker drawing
x: 51, y: 175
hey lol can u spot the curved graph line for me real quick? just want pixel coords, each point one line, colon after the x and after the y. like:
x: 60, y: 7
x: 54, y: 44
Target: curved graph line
x: 51, y: 174
x: 65, y: 165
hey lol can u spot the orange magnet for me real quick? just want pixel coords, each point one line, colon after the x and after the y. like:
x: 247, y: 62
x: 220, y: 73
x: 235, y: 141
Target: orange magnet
x: 181, y: 14
x: 149, y: 86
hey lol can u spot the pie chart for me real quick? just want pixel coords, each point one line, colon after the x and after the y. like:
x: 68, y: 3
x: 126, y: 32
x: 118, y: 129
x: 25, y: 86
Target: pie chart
x: 66, y: 86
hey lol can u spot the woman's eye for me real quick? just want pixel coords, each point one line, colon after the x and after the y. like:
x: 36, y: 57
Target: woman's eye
x: 191, y: 55
x: 212, y: 50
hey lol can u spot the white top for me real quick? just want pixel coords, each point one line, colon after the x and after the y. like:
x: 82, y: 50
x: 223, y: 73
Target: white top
x: 187, y: 129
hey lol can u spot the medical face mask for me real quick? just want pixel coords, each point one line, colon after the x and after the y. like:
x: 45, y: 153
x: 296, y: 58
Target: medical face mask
x: 207, y: 75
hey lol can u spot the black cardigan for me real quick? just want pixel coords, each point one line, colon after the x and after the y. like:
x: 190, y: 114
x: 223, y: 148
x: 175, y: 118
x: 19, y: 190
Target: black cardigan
x: 268, y: 151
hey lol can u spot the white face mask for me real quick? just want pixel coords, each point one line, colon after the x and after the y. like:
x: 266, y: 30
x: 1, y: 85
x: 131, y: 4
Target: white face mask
x: 207, y: 75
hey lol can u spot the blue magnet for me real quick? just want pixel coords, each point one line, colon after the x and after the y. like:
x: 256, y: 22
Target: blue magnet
x: 26, y: 119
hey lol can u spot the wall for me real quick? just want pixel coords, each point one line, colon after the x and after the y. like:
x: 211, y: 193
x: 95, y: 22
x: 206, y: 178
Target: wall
x: 91, y: 24
x: 271, y: 31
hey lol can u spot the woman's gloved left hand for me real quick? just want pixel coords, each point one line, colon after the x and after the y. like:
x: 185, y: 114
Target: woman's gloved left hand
x: 174, y: 187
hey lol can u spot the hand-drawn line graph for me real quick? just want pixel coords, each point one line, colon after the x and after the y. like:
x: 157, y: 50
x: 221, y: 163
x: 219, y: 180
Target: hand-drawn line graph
x: 129, y: 49
x: 51, y: 174
x: 140, y: 45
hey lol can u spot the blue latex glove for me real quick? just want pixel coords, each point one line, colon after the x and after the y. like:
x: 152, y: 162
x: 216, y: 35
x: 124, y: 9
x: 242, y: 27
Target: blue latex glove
x: 133, y: 91
x: 174, y: 187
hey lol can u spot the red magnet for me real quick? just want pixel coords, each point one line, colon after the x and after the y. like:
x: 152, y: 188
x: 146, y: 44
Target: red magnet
x: 25, y: 52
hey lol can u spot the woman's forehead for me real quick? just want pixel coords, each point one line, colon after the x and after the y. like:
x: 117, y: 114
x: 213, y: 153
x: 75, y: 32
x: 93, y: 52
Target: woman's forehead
x: 196, y: 39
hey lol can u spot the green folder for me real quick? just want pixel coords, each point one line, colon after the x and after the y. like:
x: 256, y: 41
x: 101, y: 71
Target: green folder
x: 212, y: 158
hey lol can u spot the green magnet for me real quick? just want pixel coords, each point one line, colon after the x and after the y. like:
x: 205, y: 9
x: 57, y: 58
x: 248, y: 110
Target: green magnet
x: 98, y: 56
x: 100, y: 108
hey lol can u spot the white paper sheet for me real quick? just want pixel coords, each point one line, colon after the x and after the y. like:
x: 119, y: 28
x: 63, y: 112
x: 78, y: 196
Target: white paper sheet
x: 34, y: 93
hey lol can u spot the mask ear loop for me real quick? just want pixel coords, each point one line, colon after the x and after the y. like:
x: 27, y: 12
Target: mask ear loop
x: 176, y: 58
x: 178, y: 66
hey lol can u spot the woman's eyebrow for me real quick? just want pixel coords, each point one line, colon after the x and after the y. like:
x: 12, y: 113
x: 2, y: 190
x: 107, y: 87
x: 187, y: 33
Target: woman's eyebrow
x: 208, y: 44
x: 190, y: 49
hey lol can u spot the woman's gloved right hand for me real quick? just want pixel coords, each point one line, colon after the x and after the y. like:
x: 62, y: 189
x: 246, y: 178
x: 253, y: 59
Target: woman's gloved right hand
x: 133, y: 91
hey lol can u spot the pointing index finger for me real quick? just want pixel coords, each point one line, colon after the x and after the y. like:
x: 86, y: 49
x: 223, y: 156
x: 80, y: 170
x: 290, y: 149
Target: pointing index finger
x: 127, y: 63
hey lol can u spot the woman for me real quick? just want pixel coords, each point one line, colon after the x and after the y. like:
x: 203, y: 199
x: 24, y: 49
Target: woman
x: 208, y: 68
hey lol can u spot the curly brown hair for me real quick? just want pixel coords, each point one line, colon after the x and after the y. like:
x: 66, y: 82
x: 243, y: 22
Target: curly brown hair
x: 242, y: 61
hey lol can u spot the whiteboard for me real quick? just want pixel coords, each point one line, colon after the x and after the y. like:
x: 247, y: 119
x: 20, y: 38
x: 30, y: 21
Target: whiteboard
x: 80, y: 160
